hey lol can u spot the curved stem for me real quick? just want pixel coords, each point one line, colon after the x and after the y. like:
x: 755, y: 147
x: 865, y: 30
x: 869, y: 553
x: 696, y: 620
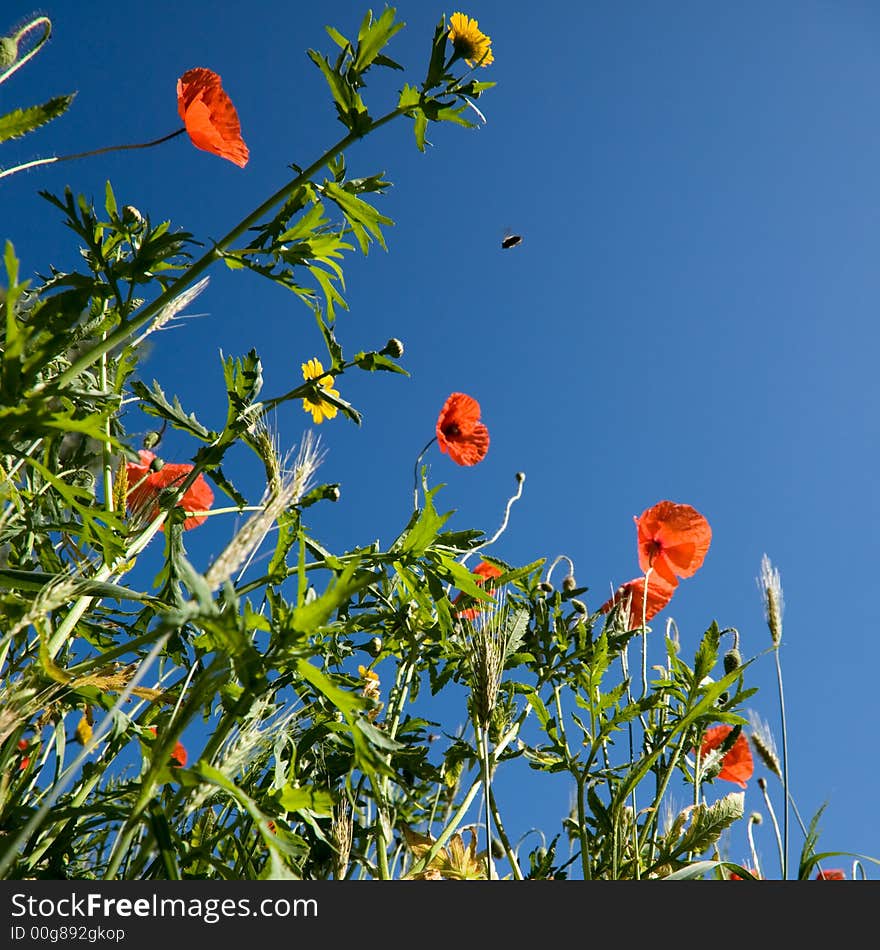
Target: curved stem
x: 97, y: 151
x: 42, y: 21
x: 416, y: 473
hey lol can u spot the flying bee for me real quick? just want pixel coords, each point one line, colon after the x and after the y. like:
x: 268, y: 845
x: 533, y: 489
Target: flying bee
x: 511, y: 240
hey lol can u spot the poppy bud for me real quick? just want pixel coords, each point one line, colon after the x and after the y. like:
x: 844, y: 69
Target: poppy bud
x: 332, y: 493
x: 152, y: 439
x: 132, y: 218
x: 374, y: 648
x: 520, y: 477
x: 393, y: 348
x: 8, y: 51
x: 569, y: 583
x: 732, y: 661
x: 546, y: 587
x: 579, y: 605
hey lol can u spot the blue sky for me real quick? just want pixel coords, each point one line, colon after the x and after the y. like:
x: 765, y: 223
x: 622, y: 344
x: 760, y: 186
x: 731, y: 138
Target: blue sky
x: 692, y: 313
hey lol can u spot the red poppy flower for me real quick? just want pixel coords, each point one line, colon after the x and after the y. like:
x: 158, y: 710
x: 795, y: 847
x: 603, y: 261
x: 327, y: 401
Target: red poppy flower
x: 738, y: 877
x: 25, y: 760
x: 147, y: 485
x: 209, y: 115
x: 832, y: 874
x: 673, y: 540
x: 484, y: 571
x: 659, y: 594
x: 178, y: 756
x: 460, y: 432
x: 737, y: 765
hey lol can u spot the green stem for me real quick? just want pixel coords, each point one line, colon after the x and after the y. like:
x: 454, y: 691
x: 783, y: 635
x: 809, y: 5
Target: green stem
x: 502, y: 837
x: 483, y: 741
x: 122, y: 332
x: 42, y: 21
x: 586, y: 868
x: 763, y: 786
x: 466, y: 803
x: 416, y: 473
x: 785, y: 790
x: 66, y: 778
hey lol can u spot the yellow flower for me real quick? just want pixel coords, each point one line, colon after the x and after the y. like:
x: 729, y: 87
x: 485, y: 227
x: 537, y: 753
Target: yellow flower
x: 319, y: 408
x: 83, y: 731
x: 468, y: 42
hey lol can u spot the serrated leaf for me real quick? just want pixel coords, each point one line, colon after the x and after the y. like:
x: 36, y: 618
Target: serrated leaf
x: 362, y: 216
x: 422, y: 528
x: 707, y: 824
x: 19, y: 122
x: 376, y: 361
x: 373, y: 36
x: 155, y: 403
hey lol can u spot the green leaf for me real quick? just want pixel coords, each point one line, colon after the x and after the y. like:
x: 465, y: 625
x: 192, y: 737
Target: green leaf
x: 19, y: 122
x: 352, y: 112
x: 373, y: 36
x: 420, y: 127
x: 376, y: 361
x: 436, y: 73
x: 422, y: 527
x: 294, y: 799
x: 695, y: 871
x: 350, y: 706
x: 708, y: 823
x: 244, y: 380
x: 155, y: 403
x: 363, y: 217
x: 309, y: 617
x: 409, y: 97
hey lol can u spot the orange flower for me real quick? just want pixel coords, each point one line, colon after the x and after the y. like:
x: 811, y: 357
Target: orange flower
x: 659, y: 594
x: 484, y: 571
x: 178, y: 756
x: 147, y: 485
x: 673, y: 540
x: 832, y: 874
x: 738, y: 877
x: 209, y: 115
x: 460, y: 432
x: 737, y: 765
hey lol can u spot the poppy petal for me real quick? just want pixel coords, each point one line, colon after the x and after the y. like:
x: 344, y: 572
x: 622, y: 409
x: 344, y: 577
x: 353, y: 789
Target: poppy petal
x: 209, y: 116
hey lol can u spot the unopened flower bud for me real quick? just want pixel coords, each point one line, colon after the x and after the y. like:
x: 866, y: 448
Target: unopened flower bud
x: 131, y: 217
x: 579, y: 605
x: 374, y: 648
x: 546, y: 587
x: 393, y: 348
x: 756, y: 818
x: 732, y: 661
x: 8, y: 51
x: 569, y: 583
x: 520, y: 477
x: 152, y: 439
x: 332, y: 493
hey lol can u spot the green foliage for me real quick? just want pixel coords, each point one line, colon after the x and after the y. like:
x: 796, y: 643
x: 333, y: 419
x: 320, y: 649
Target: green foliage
x: 294, y: 691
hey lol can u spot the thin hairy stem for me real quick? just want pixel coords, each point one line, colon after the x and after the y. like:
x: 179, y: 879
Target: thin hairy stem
x: 96, y: 151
